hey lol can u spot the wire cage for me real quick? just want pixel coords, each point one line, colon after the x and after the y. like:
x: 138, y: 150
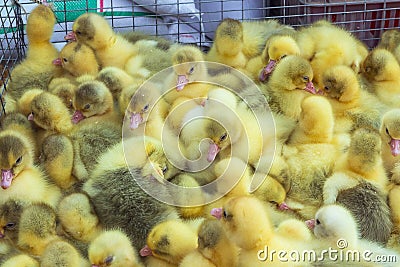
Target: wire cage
x: 193, y: 21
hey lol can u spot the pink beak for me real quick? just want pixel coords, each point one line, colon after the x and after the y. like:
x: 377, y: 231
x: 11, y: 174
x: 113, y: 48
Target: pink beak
x: 395, y: 147
x: 213, y: 150
x: 57, y: 62
x: 267, y: 70
x: 182, y: 81
x: 145, y: 251
x: 217, y: 213
x: 135, y: 121
x: 70, y: 36
x: 30, y: 117
x: 311, y: 224
x: 283, y: 206
x: 310, y: 88
x: 6, y: 178
x: 77, y: 117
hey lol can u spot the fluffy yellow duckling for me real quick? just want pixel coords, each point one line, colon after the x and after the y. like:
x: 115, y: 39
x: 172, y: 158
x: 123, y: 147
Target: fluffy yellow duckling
x: 37, y: 228
x: 236, y: 42
x: 62, y: 254
x: 36, y: 70
x: 215, y: 248
x: 381, y: 69
x: 49, y: 113
x: 20, y: 123
x: 229, y: 129
x: 326, y: 45
x: 21, y: 179
x: 110, y: 49
x: 228, y: 44
x: 57, y: 159
x: 188, y: 75
x: 170, y: 241
x: 10, y: 214
x: 113, y: 248
x: 351, y: 105
x: 146, y: 112
x: 276, y: 48
x: 93, y: 102
x: 289, y: 84
x: 242, y: 213
x: 390, y: 136
x: 78, y: 217
x: 77, y: 59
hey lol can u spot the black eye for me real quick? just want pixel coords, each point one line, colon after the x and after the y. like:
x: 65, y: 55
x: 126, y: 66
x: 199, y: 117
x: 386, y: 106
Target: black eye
x: 145, y: 108
x: 225, y: 214
x: 223, y: 137
x: 10, y: 226
x: 109, y: 260
x: 367, y: 69
x: 317, y: 221
x: 78, y: 32
x: 306, y: 78
x: 387, y: 131
x: 326, y: 88
x: 191, y: 70
x: 18, y: 161
x: 87, y: 106
x: 164, y: 170
x: 65, y: 60
x: 283, y: 56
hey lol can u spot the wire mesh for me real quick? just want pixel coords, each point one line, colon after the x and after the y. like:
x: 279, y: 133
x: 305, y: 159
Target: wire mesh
x: 194, y: 21
x: 12, y: 46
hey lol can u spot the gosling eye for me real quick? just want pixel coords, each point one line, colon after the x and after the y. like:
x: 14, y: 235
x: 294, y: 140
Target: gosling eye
x: 18, y: 161
x: 326, y: 88
x: 223, y: 137
x: 164, y: 170
x: 10, y: 226
x: 87, y: 106
x: 78, y: 32
x: 191, y: 70
x: 387, y: 131
x: 109, y: 260
x: 283, y: 56
x: 367, y: 69
x: 145, y: 108
x: 317, y: 221
x: 65, y: 60
x: 226, y: 215
x: 306, y: 78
